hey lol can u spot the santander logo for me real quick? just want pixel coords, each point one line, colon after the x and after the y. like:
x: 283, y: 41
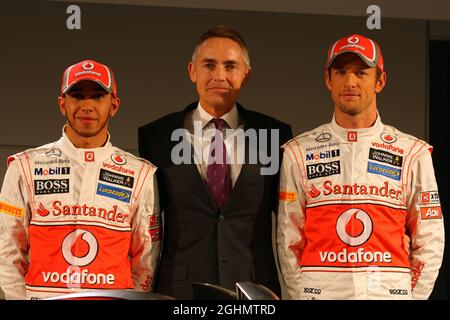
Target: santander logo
x: 42, y: 211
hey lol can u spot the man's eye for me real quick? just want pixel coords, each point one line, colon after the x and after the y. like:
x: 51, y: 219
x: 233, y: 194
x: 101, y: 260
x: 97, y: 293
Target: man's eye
x: 209, y: 66
x: 361, y: 73
x: 231, y: 67
x: 97, y: 96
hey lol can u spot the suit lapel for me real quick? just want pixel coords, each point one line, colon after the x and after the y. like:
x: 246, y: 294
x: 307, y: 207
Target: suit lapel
x: 248, y: 171
x: 192, y: 170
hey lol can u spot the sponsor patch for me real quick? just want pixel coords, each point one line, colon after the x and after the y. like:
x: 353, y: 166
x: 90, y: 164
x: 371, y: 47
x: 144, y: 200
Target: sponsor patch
x: 429, y: 197
x: 51, y: 186
x: 386, y: 157
x: 113, y: 192
x: 386, y: 171
x: 323, y: 137
x: 428, y: 213
x: 388, y: 138
x: 51, y: 171
x: 403, y: 292
x: 388, y: 147
x: 352, y: 136
x: 52, y: 162
x: 155, y: 234
x: 118, y: 159
x: 323, y: 169
x: 155, y: 227
x: 89, y: 156
x: 53, y: 153
x: 118, y: 168
x: 11, y: 210
x: 115, y: 178
x: 287, y: 196
x: 314, y: 192
x: 323, y: 155
x: 155, y: 221
x: 329, y: 145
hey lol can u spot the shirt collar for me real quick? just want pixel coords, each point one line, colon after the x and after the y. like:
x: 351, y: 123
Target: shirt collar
x: 231, y: 117
x: 355, y: 135
x: 85, y: 155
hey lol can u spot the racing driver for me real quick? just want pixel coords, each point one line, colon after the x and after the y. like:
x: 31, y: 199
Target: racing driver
x: 359, y: 212
x: 79, y: 214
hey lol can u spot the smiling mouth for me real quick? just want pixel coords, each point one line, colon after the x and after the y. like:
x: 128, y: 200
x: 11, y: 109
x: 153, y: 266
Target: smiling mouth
x: 87, y: 120
x: 349, y: 95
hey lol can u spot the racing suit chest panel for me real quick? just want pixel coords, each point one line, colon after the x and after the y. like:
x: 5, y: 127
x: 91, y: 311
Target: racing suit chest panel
x: 80, y: 229
x: 354, y: 216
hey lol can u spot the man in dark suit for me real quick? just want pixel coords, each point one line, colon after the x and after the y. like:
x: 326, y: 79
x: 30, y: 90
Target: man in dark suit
x: 217, y: 195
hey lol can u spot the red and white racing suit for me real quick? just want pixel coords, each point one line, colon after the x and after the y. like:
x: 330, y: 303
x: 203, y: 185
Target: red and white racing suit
x: 75, y: 219
x: 348, y: 197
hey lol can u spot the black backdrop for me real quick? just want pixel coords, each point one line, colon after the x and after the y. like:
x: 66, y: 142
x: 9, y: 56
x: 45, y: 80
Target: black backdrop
x: 439, y: 136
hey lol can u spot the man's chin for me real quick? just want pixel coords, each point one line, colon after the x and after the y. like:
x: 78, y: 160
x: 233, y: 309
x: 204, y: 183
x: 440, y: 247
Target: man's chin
x: 87, y: 133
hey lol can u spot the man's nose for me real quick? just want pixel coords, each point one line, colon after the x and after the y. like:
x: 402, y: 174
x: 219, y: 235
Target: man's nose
x: 220, y: 73
x: 350, y: 80
x: 87, y: 104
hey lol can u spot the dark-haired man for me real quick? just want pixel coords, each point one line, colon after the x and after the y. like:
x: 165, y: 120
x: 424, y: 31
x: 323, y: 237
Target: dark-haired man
x: 352, y: 191
x: 79, y: 214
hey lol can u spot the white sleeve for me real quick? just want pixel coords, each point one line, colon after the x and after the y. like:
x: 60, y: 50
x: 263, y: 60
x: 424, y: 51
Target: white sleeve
x: 290, y: 223
x: 14, y: 218
x: 425, y: 227
x: 146, y: 234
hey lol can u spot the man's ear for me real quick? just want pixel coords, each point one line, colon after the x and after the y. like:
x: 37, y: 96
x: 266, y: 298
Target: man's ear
x: 327, y: 79
x: 191, y: 71
x: 115, y: 103
x: 62, y: 104
x: 247, y: 76
x: 381, y: 82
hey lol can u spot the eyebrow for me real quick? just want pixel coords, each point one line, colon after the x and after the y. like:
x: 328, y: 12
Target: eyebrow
x: 210, y: 60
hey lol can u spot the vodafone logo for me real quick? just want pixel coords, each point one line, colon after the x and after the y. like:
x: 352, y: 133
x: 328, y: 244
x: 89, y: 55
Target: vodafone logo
x: 88, y: 66
x: 352, y: 136
x: 388, y: 138
x: 353, y: 40
x: 351, y: 232
x: 79, y: 248
x: 89, y: 156
x: 118, y: 159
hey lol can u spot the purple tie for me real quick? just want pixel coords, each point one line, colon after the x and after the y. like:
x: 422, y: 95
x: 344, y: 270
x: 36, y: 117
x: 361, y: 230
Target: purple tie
x: 218, y: 176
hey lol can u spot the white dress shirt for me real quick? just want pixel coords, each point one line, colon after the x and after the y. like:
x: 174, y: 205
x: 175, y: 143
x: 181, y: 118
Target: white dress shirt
x: 203, y: 118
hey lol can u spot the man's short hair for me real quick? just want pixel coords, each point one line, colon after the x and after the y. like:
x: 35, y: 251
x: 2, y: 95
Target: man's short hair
x: 222, y: 31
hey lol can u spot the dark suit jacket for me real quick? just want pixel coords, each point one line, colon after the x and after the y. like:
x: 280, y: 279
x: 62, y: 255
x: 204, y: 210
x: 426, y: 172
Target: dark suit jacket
x: 199, y: 242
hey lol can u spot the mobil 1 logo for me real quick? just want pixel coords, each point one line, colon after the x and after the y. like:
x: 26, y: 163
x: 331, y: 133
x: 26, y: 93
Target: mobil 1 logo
x: 50, y: 186
x: 323, y: 169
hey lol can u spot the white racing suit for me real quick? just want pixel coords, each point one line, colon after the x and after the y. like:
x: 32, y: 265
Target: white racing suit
x: 359, y: 215
x: 75, y: 219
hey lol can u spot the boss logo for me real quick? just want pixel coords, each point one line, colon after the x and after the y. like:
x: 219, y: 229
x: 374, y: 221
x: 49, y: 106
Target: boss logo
x: 323, y: 169
x: 51, y: 186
